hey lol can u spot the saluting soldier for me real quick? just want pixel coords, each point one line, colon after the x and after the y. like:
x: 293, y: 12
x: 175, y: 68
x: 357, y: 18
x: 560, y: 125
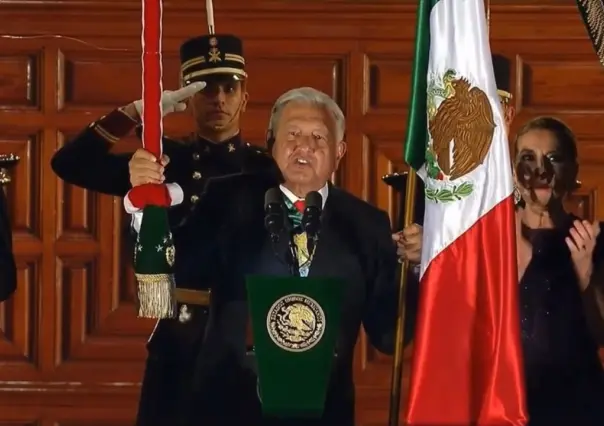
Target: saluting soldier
x: 215, y: 89
x: 218, y: 61
x: 214, y: 80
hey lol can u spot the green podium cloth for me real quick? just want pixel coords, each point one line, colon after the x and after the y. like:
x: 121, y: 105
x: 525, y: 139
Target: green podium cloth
x: 295, y: 325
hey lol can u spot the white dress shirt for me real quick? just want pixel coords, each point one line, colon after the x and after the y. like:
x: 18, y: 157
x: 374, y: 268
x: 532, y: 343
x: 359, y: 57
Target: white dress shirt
x: 293, y: 198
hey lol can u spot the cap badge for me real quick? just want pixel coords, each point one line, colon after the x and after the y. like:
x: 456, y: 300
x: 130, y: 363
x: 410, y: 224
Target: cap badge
x: 214, y: 53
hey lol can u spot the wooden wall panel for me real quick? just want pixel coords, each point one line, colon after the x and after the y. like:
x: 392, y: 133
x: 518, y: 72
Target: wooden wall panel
x: 71, y: 348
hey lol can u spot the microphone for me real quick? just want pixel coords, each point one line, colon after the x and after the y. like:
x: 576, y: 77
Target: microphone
x: 274, y: 219
x: 311, y: 220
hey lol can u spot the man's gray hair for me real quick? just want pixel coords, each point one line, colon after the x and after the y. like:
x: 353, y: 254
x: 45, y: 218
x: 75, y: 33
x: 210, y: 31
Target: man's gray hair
x: 308, y: 95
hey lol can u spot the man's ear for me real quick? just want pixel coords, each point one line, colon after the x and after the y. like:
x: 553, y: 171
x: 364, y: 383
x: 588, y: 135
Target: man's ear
x: 340, y: 151
x: 510, y: 114
x: 245, y: 97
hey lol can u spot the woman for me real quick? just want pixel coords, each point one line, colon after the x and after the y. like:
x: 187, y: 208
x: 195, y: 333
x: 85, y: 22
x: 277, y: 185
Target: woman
x: 560, y: 260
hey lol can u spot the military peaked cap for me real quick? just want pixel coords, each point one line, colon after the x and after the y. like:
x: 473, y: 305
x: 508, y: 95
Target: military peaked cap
x: 210, y: 55
x: 502, y: 67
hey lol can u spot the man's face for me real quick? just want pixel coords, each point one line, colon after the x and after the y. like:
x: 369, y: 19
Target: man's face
x: 219, y: 105
x: 306, y: 149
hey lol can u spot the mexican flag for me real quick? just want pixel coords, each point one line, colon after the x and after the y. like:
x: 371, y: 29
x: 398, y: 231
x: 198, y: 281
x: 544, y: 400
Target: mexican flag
x: 467, y: 364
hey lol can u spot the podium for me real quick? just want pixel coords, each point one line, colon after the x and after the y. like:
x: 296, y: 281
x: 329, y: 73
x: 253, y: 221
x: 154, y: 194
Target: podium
x: 295, y: 324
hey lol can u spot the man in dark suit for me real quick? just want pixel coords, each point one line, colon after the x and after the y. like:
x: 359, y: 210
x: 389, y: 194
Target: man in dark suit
x: 306, y: 139
x: 8, y: 271
x: 214, y: 90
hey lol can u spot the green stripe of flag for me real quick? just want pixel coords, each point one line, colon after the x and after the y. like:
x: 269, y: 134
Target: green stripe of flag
x: 417, y: 125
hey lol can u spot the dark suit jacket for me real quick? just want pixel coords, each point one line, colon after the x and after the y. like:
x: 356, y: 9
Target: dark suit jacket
x: 355, y: 245
x: 8, y: 272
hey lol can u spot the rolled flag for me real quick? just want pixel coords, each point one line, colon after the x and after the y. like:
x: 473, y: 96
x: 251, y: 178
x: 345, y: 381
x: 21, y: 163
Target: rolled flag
x: 154, y: 251
x: 592, y: 13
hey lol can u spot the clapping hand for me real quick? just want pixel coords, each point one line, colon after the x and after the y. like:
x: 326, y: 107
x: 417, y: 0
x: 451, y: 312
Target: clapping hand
x: 582, y: 242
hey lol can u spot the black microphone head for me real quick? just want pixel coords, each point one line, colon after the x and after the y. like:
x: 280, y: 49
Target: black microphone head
x: 272, y: 196
x: 314, y: 199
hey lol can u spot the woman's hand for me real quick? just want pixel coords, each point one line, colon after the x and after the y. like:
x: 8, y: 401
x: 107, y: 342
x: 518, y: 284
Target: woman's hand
x: 582, y: 242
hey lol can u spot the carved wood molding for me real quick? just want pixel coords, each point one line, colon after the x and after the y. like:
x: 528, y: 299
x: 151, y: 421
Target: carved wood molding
x: 273, y: 19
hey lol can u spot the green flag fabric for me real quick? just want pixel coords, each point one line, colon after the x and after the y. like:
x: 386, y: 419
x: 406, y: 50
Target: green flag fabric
x: 417, y: 125
x: 154, y: 257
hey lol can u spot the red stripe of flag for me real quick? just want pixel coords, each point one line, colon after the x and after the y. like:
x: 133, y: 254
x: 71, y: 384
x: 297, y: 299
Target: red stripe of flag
x: 467, y: 363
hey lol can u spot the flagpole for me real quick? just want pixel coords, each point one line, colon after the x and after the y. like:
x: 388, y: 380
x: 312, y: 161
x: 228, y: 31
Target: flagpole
x: 397, y: 366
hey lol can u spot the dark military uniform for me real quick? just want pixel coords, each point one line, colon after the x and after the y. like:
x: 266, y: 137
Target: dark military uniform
x: 87, y: 161
x: 8, y: 273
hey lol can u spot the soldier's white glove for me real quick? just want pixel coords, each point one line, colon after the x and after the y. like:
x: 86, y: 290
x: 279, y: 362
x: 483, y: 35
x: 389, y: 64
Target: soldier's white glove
x: 172, y: 101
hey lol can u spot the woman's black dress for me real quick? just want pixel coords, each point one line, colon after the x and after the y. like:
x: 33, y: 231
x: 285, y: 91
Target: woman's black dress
x: 564, y: 376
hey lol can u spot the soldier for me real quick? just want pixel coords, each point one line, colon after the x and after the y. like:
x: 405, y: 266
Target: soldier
x: 214, y: 79
x: 216, y: 149
x: 8, y: 273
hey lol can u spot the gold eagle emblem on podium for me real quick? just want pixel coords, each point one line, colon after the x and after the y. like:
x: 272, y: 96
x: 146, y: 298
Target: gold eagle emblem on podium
x: 295, y: 323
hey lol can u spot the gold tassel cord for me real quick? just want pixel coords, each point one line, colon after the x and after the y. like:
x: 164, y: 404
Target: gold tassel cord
x: 156, y: 298
x: 593, y: 16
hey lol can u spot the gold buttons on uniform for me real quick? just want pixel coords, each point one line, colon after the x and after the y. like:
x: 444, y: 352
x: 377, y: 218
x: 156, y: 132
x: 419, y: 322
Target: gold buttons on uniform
x: 196, y: 175
x: 196, y: 156
x: 194, y: 199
